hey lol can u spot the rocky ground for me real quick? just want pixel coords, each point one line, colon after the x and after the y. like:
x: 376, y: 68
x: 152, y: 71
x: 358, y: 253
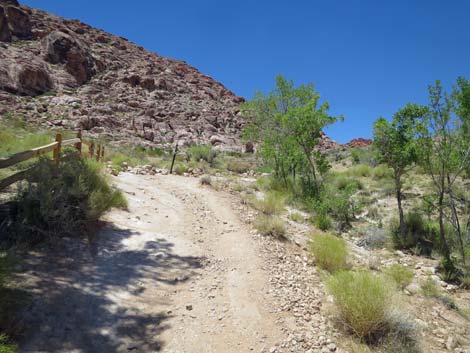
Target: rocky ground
x: 183, y: 271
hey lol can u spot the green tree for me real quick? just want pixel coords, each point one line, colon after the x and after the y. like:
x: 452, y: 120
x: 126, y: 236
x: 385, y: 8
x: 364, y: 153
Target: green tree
x: 398, y: 146
x: 287, y: 123
x: 447, y: 157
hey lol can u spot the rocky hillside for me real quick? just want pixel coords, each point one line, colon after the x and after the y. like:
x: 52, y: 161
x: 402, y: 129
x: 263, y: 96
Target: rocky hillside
x: 63, y: 73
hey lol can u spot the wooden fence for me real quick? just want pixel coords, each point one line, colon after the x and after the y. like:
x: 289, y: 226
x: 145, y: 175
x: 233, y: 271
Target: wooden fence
x: 94, y: 151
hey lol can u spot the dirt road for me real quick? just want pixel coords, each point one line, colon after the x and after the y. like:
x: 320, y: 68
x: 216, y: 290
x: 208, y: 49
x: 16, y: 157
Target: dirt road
x: 177, y: 273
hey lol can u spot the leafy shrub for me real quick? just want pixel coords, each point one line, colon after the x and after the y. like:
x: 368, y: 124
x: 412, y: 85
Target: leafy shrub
x: 322, y: 221
x: 356, y: 155
x: 360, y: 170
x: 270, y: 225
x: 429, y: 288
x: 202, y: 152
x: 382, y: 172
x: 418, y: 234
x: 62, y: 201
x: 330, y: 252
x: 297, y: 217
x: 400, y: 274
x: 206, y: 180
x: 363, y: 300
x: 180, y: 168
x: 341, y: 205
x: 118, y: 160
x: 6, y: 346
x: 272, y: 203
x: 238, y: 166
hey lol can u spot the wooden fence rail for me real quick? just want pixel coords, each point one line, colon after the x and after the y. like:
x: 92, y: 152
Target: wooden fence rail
x: 56, y: 149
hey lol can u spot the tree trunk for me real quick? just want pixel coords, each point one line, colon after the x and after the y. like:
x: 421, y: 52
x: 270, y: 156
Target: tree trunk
x: 442, y: 234
x: 456, y: 221
x: 400, y: 207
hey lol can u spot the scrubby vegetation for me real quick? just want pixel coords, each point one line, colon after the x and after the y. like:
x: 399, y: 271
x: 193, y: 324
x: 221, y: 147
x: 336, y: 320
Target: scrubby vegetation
x: 364, y: 300
x: 330, y: 252
x: 270, y: 225
x: 63, y: 201
x: 400, y: 274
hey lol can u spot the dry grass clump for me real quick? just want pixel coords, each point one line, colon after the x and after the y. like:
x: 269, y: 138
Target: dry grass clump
x: 270, y: 225
x: 363, y: 299
x: 272, y: 203
x: 330, y: 252
x: 297, y: 217
x: 205, y: 180
x: 400, y: 274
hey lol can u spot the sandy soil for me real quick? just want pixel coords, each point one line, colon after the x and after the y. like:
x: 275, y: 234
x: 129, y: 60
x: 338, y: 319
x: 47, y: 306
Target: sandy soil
x: 179, y: 272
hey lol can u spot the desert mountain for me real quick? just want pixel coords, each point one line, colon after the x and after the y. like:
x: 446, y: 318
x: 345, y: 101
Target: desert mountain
x: 63, y: 73
x: 60, y: 73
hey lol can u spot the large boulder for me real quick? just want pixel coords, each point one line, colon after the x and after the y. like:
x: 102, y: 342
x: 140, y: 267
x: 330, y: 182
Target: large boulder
x: 25, y: 78
x: 62, y: 48
x: 14, y: 22
x: 5, y: 34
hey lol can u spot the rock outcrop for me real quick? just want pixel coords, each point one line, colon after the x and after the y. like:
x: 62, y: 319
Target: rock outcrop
x: 59, y: 72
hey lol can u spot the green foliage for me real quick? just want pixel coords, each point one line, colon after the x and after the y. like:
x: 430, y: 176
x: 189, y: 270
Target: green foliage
x: 288, y: 123
x: 382, y: 172
x: 341, y: 204
x: 366, y: 156
x: 238, y: 166
x: 445, y: 157
x: 360, y: 170
x: 363, y: 299
x: 180, y: 168
x: 429, y: 288
x: 64, y: 201
x: 202, y: 152
x: 398, y: 146
x: 297, y: 217
x: 330, y: 252
x: 273, y: 203
x: 6, y: 346
x: 400, y: 274
x: 270, y: 225
x: 322, y: 221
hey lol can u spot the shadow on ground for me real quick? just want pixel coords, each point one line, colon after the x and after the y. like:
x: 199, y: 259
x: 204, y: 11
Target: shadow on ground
x: 100, y: 297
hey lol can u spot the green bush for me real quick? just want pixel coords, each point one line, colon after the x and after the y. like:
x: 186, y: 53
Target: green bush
x: 330, y: 252
x: 238, y: 166
x: 360, y: 170
x: 6, y: 346
x: 418, y: 234
x: 180, y: 168
x: 363, y: 299
x: 273, y: 203
x: 62, y: 201
x: 400, y: 274
x: 297, y: 217
x: 202, y: 152
x: 382, y: 172
x: 270, y: 225
x: 429, y: 288
x: 322, y: 221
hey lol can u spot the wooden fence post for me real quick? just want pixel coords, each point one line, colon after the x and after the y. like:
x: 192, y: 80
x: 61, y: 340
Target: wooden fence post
x: 92, y: 149
x: 78, y: 146
x: 98, y: 153
x: 57, y: 150
x: 174, y: 157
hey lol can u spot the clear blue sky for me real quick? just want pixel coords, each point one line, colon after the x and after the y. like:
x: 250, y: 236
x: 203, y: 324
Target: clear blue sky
x: 367, y: 57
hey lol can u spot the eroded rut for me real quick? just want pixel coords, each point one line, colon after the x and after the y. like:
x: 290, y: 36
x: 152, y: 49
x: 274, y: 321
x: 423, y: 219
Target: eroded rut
x: 178, y: 273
